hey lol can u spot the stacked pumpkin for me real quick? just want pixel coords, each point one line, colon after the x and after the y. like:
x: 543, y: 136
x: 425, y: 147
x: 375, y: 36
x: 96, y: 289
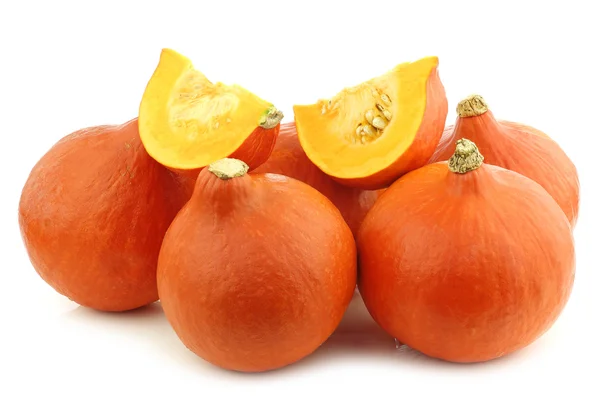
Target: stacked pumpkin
x: 254, y: 235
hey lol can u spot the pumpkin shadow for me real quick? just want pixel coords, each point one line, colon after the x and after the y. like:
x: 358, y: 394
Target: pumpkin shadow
x: 146, y: 323
x: 357, y: 337
x: 140, y: 318
x: 357, y: 334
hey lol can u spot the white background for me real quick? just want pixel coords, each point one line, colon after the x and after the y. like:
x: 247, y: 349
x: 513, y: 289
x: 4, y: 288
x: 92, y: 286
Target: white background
x: 64, y: 66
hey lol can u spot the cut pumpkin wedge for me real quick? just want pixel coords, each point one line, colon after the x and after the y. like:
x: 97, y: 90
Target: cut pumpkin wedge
x: 369, y: 135
x: 186, y: 122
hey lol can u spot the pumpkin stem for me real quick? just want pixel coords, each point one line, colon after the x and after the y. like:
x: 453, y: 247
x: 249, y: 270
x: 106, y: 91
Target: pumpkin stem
x: 472, y: 106
x: 271, y: 118
x: 228, y: 168
x: 466, y: 157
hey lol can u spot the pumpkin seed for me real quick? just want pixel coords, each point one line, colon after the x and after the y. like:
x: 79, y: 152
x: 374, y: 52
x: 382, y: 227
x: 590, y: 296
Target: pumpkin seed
x: 369, y: 115
x: 386, y: 113
x: 369, y: 130
x: 379, y: 123
x: 386, y: 99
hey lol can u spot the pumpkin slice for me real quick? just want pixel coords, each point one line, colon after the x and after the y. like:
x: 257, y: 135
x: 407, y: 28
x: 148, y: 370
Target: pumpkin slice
x: 369, y: 135
x: 187, y: 122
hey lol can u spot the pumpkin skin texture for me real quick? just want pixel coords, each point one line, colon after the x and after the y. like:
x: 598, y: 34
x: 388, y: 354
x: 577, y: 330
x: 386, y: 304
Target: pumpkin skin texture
x: 256, y: 270
x: 517, y: 147
x: 187, y: 121
x: 93, y: 213
x: 471, y: 267
x: 288, y: 158
x: 369, y: 135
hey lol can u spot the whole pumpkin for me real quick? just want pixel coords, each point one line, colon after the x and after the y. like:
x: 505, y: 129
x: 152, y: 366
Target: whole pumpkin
x: 289, y: 159
x: 465, y: 261
x: 93, y: 213
x: 256, y: 270
x: 517, y: 147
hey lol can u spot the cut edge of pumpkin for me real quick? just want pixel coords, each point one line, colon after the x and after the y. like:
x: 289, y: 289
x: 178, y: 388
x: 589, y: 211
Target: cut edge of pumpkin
x: 187, y: 122
x: 328, y: 130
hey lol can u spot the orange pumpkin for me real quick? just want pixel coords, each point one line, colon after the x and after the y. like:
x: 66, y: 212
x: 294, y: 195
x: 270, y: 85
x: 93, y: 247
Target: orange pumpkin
x: 187, y: 122
x: 517, y: 147
x: 93, y: 213
x: 368, y: 135
x: 465, y: 261
x: 288, y: 158
x: 256, y: 270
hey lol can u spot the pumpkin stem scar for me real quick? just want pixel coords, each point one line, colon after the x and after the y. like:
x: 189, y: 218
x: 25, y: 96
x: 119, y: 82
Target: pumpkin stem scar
x: 271, y: 118
x: 466, y: 157
x: 228, y: 168
x: 472, y: 106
